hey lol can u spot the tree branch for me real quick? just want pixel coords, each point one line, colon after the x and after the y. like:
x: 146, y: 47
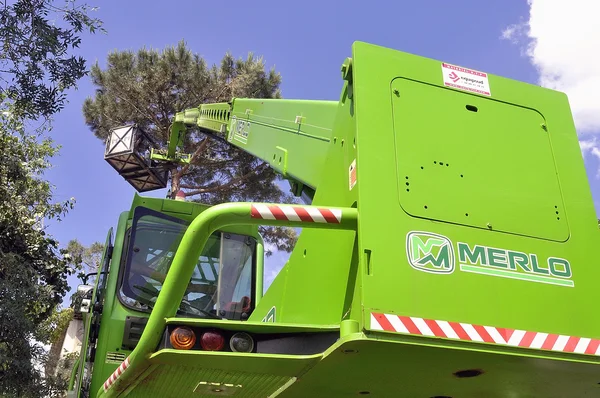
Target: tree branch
x: 230, y: 183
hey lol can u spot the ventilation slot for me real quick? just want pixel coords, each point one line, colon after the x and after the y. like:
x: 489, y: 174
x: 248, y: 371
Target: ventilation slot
x: 115, y: 357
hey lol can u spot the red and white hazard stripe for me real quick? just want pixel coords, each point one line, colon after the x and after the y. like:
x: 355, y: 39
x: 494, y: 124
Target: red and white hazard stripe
x: 296, y: 213
x: 109, y: 382
x: 484, y: 334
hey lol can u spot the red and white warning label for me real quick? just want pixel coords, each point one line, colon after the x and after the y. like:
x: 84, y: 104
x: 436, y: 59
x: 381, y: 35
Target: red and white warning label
x: 466, y: 79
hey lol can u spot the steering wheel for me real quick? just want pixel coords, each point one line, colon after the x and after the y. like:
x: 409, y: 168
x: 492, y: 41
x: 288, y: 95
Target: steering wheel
x: 185, y: 306
x: 159, y: 277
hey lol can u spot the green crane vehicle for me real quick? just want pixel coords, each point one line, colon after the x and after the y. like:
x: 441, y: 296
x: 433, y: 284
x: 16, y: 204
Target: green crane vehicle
x: 446, y: 249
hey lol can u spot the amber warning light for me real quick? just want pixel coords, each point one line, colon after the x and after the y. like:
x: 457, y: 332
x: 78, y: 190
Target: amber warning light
x: 183, y: 338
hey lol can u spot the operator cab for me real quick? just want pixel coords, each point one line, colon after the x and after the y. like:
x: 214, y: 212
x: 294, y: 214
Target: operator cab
x: 223, y: 281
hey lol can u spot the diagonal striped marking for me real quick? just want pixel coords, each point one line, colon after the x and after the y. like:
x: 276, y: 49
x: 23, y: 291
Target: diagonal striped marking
x: 409, y: 324
x: 396, y: 323
x: 527, y: 339
x: 422, y: 326
x: 293, y: 213
x: 375, y: 325
x: 538, y: 341
x: 290, y: 213
x: 549, y: 342
x: 516, y: 337
x: 507, y: 333
x: 561, y: 342
x: 435, y: 328
x: 582, y: 345
x: 316, y: 215
x: 470, y: 330
x: 329, y: 216
x: 448, y: 331
x: 460, y: 332
x: 592, y: 348
x: 278, y: 213
x: 571, y: 344
x: 337, y: 213
x: 262, y: 211
x: 303, y: 214
x: 383, y: 321
x: 495, y: 335
x: 488, y: 334
x: 113, y: 377
x: 483, y: 333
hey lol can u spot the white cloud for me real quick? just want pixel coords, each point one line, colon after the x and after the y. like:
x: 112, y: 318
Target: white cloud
x: 561, y: 39
x: 514, y: 32
x: 587, y: 145
x: 590, y: 146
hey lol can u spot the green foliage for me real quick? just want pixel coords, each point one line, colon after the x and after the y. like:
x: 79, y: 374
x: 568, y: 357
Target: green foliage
x: 36, y: 67
x: 148, y: 87
x: 32, y: 270
x: 52, y: 328
x: 87, y: 259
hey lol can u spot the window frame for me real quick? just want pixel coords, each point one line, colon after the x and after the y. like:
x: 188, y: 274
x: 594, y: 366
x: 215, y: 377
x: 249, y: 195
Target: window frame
x: 125, y: 265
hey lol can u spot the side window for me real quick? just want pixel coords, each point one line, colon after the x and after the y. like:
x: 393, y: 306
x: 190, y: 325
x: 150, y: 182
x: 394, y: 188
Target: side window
x: 236, y: 281
x: 222, y: 284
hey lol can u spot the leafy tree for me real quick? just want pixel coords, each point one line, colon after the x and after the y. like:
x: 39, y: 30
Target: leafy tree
x: 85, y: 258
x: 33, y: 271
x: 36, y: 69
x: 148, y: 87
x: 53, y: 331
x: 36, y: 66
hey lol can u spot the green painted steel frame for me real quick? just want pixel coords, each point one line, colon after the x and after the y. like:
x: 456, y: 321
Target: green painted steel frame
x: 388, y: 99
x: 181, y: 270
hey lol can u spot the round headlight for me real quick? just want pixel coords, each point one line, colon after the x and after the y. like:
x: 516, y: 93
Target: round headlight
x: 241, y: 342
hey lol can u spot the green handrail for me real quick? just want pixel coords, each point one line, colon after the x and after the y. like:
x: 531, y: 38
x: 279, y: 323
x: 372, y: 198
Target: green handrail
x: 189, y: 250
x: 73, y: 375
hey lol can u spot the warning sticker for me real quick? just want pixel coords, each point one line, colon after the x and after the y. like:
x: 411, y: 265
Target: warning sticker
x: 352, y: 174
x: 465, y: 79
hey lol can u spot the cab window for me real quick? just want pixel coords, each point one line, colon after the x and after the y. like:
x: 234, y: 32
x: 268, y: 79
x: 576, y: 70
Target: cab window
x: 222, y: 283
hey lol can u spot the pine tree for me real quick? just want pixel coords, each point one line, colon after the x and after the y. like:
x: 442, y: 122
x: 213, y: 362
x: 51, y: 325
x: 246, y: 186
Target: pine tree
x: 148, y: 87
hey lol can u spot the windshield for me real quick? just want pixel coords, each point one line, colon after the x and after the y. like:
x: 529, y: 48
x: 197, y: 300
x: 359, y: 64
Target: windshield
x: 221, y: 285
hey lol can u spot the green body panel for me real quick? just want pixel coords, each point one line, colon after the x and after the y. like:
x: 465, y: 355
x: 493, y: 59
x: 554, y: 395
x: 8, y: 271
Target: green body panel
x: 79, y: 371
x: 535, y: 169
x: 482, y: 171
x: 318, y: 282
x: 292, y: 136
x: 114, y: 312
x: 458, y: 208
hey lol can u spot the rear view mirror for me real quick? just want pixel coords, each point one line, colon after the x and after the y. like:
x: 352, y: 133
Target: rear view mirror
x: 85, y: 292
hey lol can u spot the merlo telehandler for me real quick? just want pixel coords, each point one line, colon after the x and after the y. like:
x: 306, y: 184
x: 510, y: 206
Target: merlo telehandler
x: 447, y: 249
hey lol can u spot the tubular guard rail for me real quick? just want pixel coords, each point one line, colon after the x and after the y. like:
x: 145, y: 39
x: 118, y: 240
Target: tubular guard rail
x: 189, y: 250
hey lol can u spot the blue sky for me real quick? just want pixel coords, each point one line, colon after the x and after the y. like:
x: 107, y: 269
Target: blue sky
x: 306, y: 42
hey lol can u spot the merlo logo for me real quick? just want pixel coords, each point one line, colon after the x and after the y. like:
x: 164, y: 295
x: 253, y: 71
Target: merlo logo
x: 430, y: 252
